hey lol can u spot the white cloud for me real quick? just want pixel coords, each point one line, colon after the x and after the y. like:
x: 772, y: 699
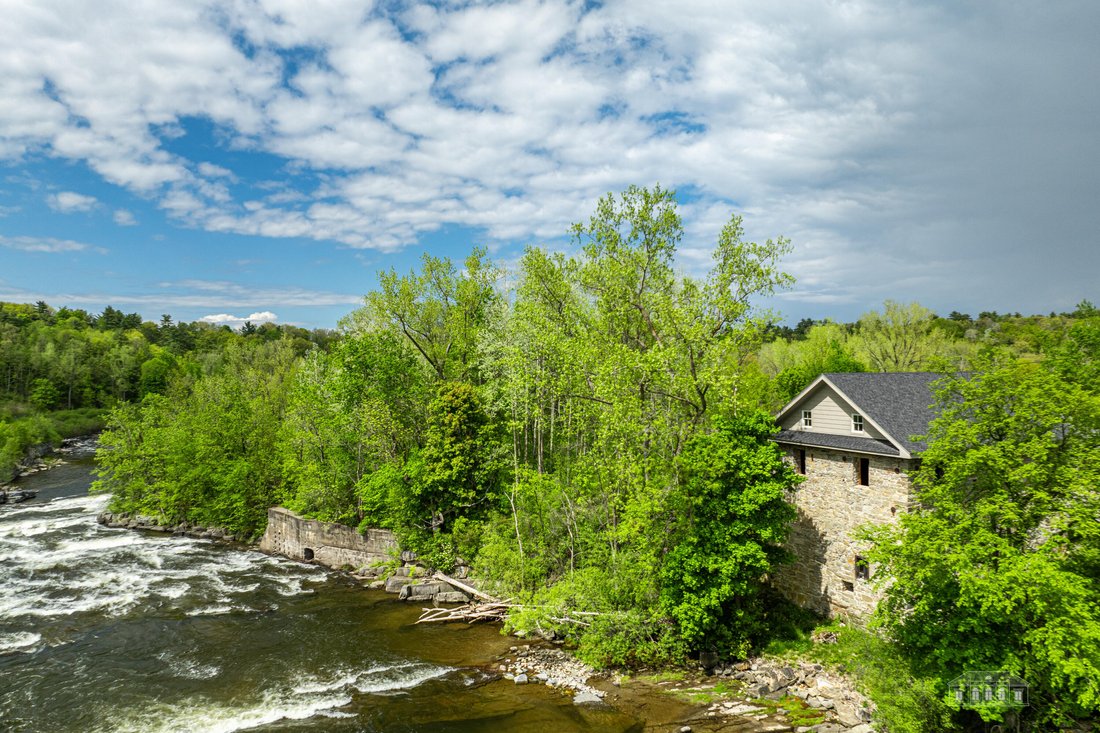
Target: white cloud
x: 68, y: 202
x: 225, y: 319
x: 124, y: 218
x: 847, y: 126
x: 43, y: 244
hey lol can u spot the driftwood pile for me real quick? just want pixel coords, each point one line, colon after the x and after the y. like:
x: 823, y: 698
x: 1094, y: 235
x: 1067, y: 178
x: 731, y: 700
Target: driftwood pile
x: 486, y: 608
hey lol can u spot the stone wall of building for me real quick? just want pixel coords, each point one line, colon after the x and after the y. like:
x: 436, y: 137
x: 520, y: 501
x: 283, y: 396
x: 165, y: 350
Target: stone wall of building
x: 831, y: 505
x: 332, y: 545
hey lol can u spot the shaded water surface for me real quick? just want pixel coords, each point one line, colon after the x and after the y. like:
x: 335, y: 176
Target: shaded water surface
x: 114, y: 630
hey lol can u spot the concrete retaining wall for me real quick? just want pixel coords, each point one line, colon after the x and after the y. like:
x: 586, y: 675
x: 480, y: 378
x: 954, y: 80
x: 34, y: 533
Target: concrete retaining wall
x: 332, y: 545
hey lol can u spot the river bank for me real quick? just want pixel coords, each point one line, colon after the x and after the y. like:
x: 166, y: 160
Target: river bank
x: 758, y: 695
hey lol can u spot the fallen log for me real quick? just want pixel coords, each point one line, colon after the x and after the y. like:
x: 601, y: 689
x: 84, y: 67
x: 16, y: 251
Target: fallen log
x: 466, y: 588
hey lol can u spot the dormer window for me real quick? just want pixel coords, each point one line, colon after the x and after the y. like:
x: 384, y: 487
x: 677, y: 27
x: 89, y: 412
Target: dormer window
x: 857, y: 423
x: 807, y: 419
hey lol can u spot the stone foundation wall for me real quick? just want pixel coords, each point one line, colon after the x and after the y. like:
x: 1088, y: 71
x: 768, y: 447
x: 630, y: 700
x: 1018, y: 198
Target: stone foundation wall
x: 332, y: 545
x: 831, y: 505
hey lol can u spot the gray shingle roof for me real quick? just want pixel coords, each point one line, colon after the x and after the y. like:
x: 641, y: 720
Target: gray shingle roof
x: 899, y: 402
x: 837, y: 442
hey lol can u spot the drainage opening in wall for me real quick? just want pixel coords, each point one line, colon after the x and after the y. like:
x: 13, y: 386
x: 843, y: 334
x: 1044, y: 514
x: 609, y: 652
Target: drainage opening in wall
x: 307, y: 553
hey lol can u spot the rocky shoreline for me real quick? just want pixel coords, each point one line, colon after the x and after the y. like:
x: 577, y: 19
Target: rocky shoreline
x: 123, y: 520
x: 750, y: 696
x: 45, y: 456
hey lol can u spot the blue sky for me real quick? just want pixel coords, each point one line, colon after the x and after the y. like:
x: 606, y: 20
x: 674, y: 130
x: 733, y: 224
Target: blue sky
x: 266, y: 158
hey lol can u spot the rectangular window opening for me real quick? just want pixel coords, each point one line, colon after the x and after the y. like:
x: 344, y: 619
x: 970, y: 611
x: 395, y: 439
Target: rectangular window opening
x: 857, y: 423
x: 802, y: 461
x: 849, y: 586
x: 807, y: 418
x: 864, y: 471
x: 863, y: 568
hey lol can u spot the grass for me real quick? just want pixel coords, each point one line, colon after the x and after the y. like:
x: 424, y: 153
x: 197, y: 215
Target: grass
x: 722, y: 690
x: 797, y: 711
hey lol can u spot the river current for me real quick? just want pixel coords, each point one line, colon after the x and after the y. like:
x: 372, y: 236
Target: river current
x: 106, y: 630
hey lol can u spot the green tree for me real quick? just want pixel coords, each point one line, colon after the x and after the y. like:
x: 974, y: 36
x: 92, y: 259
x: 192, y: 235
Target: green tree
x: 44, y: 395
x: 903, y: 338
x: 440, y: 310
x: 461, y: 474
x: 733, y: 519
x: 998, y: 567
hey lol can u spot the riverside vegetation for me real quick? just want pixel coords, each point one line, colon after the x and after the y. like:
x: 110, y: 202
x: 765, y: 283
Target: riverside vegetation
x: 594, y: 438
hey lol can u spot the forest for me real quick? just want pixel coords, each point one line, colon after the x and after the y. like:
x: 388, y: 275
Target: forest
x: 590, y: 432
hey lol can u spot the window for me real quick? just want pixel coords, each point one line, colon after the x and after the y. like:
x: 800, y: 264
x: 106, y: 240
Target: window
x: 863, y: 569
x: 807, y: 419
x: 848, y: 585
x: 857, y: 423
x: 802, y: 461
x: 864, y: 467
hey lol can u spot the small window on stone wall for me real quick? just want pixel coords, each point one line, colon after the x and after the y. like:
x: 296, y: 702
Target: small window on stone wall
x: 849, y: 586
x: 863, y: 467
x: 863, y: 568
x: 802, y: 461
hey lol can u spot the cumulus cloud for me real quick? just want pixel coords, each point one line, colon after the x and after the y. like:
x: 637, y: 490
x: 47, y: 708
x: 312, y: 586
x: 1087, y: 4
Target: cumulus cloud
x: 882, y: 139
x: 236, y: 322
x: 68, y: 202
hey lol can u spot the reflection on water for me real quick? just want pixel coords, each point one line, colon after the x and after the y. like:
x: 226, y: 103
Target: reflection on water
x: 107, y: 629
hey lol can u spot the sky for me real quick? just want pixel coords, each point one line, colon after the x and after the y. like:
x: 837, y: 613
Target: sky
x: 266, y: 159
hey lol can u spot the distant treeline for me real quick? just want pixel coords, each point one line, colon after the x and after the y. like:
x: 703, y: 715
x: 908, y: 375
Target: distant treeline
x: 60, y: 369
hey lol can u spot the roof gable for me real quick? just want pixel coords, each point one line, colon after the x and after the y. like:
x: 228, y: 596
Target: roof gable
x: 898, y: 404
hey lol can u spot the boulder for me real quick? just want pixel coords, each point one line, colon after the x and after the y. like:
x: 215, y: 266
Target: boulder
x: 584, y: 697
x: 452, y: 597
x: 396, y: 583
x: 848, y: 713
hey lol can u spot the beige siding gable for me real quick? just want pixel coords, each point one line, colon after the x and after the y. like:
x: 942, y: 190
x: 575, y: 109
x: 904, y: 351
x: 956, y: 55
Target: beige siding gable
x: 831, y: 414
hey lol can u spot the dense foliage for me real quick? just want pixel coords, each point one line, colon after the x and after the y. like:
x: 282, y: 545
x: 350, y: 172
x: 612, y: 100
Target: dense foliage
x: 594, y: 440
x: 61, y: 369
x: 999, y: 566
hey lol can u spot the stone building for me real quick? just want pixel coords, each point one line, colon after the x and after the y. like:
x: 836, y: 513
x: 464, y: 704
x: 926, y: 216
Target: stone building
x: 851, y: 436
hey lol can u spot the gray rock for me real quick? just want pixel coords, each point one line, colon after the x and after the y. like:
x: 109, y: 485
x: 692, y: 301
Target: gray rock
x: 584, y: 697
x: 461, y: 572
x: 408, y: 556
x: 848, y: 714
x: 520, y: 679
x: 862, y: 728
x: 396, y: 583
x: 757, y: 690
x: 452, y: 597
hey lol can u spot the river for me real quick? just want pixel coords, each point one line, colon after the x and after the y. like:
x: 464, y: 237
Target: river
x: 113, y: 630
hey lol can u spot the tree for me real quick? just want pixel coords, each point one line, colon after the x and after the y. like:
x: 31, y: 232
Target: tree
x: 44, y: 395
x: 902, y: 338
x: 440, y: 310
x: 461, y: 474
x: 734, y: 518
x: 998, y: 567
